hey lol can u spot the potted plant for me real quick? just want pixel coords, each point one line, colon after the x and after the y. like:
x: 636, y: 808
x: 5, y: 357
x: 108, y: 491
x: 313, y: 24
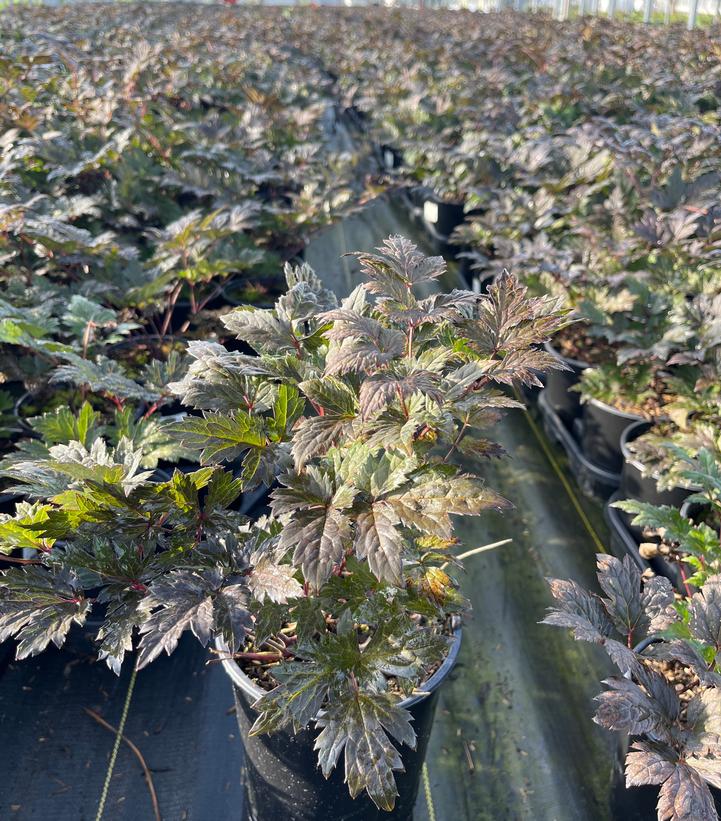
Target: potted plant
x: 688, y: 537
x: 668, y: 696
x: 340, y: 605
x: 613, y: 397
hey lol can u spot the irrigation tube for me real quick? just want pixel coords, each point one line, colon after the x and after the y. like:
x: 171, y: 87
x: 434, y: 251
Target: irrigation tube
x: 600, y: 547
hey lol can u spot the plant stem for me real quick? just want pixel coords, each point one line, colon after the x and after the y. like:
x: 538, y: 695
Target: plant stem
x: 461, y: 434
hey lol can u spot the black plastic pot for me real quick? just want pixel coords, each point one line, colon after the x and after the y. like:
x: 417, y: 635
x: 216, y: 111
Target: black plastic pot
x: 390, y: 157
x: 443, y: 216
x: 281, y: 777
x: 355, y: 116
x: 643, y: 488
x: 695, y: 511
x: 601, y: 431
x: 412, y: 199
x: 594, y: 481
x: 439, y: 243
x: 561, y: 399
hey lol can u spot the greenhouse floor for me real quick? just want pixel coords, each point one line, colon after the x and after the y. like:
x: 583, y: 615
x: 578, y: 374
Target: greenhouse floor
x: 512, y: 738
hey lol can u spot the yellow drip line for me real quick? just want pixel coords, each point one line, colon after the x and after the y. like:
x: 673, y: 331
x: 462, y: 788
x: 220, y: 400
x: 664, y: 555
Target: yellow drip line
x: 428, y: 793
x: 564, y: 481
x: 116, y: 747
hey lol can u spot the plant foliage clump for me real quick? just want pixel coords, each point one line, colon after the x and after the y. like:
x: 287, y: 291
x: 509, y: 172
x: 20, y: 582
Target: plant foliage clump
x: 646, y: 632
x: 355, y: 411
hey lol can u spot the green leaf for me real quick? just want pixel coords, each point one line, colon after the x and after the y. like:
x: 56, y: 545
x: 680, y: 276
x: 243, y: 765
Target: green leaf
x: 38, y: 607
x: 222, y: 436
x: 102, y: 376
x: 62, y: 425
x: 360, y: 724
x: 180, y: 601
x: 223, y: 490
x: 378, y: 540
x: 331, y: 394
x: 20, y: 532
x: 287, y: 408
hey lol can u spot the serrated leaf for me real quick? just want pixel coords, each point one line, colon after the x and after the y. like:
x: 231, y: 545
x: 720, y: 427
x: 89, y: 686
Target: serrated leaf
x: 685, y: 797
x: 116, y: 633
x: 380, y: 543
x: 314, y: 436
x: 231, y: 615
x: 621, y: 582
x: 261, y: 329
x: 397, y: 268
x: 648, y: 763
x: 331, y: 394
x: 360, y: 726
x: 578, y: 610
x: 364, y: 354
x: 706, y: 613
x: 223, y: 490
x: 222, y: 436
x: 319, y: 539
x: 626, y: 706
x: 274, y: 581
x: 102, y: 375
x: 427, y: 507
x: 38, y: 607
x: 287, y: 408
x: 175, y: 603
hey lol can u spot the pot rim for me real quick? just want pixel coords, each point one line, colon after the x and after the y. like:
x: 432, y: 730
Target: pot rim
x: 627, y: 455
x: 240, y: 680
x: 633, y: 461
x: 634, y: 417
x: 575, y: 363
x: 685, y: 508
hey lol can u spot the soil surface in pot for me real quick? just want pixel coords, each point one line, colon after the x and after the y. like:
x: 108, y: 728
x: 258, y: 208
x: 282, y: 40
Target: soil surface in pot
x: 575, y: 342
x: 261, y: 672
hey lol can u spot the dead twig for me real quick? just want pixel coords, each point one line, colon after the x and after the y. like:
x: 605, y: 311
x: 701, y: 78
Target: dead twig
x: 138, y: 755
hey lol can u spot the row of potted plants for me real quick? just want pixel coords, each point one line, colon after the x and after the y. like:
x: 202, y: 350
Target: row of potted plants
x: 585, y: 158
x: 594, y: 177
x: 148, y: 182
x: 151, y: 181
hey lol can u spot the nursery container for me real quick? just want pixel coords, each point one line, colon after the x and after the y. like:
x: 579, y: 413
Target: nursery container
x: 643, y: 488
x: 281, y: 777
x: 390, y: 157
x: 561, y: 399
x: 477, y: 280
x: 695, y: 511
x: 601, y: 431
x: 443, y: 216
x: 593, y: 479
x: 623, y: 541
